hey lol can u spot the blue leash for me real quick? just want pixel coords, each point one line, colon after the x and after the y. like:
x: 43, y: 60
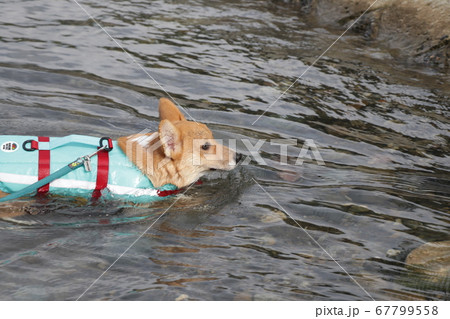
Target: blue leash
x: 81, y: 161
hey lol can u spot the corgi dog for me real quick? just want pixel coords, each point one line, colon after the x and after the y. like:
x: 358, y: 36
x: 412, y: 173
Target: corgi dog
x: 138, y: 166
x: 184, y: 150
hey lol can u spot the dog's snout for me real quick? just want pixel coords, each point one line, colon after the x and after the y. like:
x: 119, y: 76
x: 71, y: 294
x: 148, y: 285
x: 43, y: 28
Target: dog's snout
x: 237, y: 157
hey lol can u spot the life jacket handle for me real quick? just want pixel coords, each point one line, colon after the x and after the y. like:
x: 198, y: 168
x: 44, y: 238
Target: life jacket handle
x: 32, y: 145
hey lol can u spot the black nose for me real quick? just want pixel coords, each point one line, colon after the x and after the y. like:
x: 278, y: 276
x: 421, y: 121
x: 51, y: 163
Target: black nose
x: 238, y: 157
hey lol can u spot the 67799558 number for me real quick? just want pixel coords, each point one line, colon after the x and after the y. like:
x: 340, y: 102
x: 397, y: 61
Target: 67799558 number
x: 407, y: 310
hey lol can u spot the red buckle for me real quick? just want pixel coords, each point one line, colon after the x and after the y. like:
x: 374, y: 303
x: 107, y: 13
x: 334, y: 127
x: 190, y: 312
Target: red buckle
x: 110, y: 146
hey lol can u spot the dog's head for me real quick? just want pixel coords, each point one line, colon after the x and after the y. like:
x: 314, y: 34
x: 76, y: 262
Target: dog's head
x: 190, y: 146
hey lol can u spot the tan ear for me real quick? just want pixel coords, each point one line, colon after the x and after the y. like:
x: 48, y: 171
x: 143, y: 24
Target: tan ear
x: 168, y: 111
x: 171, y: 139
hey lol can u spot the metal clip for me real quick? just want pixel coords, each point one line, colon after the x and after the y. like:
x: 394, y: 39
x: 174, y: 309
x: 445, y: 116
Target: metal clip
x: 87, y: 163
x: 86, y: 160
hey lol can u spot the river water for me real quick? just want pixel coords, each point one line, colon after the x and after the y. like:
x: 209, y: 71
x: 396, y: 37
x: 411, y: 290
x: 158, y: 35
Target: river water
x: 265, y: 231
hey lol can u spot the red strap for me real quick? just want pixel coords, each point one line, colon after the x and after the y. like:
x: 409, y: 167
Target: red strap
x: 168, y: 192
x: 102, y: 173
x: 43, y: 165
x: 175, y: 191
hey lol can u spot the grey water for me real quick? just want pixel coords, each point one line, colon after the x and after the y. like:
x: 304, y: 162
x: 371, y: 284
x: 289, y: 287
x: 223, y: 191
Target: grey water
x: 265, y: 231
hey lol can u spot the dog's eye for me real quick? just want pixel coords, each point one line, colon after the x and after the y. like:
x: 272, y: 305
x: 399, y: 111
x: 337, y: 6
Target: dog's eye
x: 206, y: 146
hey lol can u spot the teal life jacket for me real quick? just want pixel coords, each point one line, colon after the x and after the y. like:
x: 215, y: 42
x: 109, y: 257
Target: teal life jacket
x: 24, y: 164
